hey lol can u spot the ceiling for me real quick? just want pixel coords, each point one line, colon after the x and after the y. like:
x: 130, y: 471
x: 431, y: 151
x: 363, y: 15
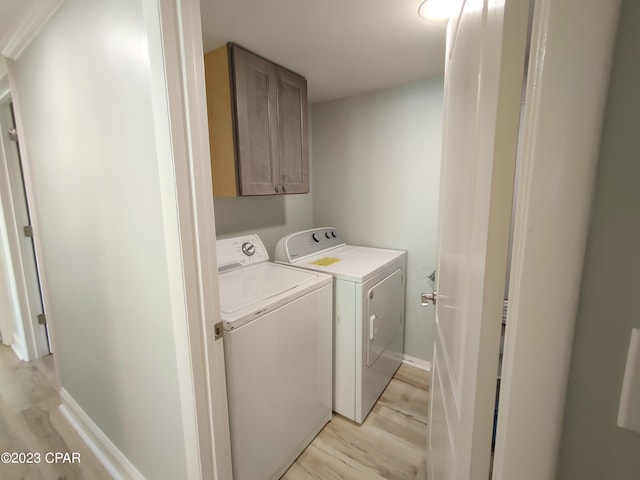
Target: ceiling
x: 10, y: 11
x: 342, y: 47
x: 20, y: 22
x: 11, y: 14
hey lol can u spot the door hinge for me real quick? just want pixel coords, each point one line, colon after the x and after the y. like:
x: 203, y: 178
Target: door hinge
x: 28, y: 231
x: 13, y: 134
x: 427, y: 298
x: 42, y: 319
x: 217, y: 330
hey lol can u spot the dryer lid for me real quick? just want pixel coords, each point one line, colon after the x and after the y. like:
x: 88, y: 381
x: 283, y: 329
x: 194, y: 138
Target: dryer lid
x: 352, y: 263
x: 323, y: 249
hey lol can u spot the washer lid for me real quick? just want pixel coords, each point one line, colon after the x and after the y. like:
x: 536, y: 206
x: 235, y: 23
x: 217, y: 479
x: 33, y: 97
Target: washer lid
x: 248, y: 292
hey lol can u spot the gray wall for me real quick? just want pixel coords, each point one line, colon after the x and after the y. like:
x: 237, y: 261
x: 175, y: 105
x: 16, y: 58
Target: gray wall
x: 84, y: 92
x: 271, y: 217
x: 376, y: 176
x: 593, y: 447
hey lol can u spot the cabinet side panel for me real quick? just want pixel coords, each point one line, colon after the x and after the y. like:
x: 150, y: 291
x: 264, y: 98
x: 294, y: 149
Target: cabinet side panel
x: 293, y: 145
x: 257, y: 124
x: 221, y: 137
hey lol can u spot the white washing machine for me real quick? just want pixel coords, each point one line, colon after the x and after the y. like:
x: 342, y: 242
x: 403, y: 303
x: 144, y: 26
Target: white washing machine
x: 277, y: 346
x: 369, y: 286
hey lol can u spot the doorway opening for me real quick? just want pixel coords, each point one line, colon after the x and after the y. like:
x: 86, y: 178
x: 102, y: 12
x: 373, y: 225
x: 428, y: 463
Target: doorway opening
x: 26, y: 328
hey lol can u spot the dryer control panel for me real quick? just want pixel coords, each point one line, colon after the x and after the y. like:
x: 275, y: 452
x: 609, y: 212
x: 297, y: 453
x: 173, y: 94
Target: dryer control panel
x: 239, y: 252
x: 309, y: 242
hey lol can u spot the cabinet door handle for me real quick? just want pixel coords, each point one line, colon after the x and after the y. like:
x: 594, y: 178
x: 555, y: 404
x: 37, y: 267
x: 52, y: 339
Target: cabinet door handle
x: 285, y: 187
x: 278, y: 188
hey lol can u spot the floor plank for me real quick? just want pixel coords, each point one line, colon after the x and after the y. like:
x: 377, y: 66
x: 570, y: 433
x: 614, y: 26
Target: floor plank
x: 30, y: 421
x: 390, y: 444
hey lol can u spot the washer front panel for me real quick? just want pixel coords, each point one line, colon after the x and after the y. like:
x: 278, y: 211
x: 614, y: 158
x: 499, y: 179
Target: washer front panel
x: 278, y: 372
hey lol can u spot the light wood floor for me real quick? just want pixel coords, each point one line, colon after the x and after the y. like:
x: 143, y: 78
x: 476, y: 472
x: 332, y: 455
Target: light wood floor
x: 390, y: 444
x: 31, y: 422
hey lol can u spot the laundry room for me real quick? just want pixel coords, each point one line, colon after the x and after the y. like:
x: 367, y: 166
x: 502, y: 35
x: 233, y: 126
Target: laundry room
x: 191, y: 328
x: 365, y: 144
x: 374, y: 131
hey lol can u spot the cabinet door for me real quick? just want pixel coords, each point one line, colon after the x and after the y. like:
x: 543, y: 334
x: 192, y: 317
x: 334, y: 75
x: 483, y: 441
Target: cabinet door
x: 292, y: 141
x: 256, y: 123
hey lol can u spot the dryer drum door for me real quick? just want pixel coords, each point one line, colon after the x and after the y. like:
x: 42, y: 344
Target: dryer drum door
x: 385, y: 309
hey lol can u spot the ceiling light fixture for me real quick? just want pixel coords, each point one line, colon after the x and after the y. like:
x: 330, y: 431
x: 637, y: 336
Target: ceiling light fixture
x: 436, y: 9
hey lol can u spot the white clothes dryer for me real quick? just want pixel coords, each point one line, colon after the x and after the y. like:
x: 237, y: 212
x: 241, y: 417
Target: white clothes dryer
x: 277, y: 324
x: 368, y: 326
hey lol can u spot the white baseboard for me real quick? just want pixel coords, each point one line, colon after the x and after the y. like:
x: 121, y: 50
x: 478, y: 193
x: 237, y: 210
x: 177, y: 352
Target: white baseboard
x: 113, y: 460
x: 20, y: 351
x: 417, y: 362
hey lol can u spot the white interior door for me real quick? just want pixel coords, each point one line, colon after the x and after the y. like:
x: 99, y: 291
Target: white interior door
x: 483, y: 84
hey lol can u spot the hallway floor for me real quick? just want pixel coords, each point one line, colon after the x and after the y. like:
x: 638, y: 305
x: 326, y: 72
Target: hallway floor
x: 390, y: 444
x: 30, y: 422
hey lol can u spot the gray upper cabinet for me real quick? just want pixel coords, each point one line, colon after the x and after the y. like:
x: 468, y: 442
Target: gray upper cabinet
x: 257, y: 125
x: 292, y: 138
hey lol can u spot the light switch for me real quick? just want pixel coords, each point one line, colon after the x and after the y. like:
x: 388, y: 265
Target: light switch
x: 629, y: 411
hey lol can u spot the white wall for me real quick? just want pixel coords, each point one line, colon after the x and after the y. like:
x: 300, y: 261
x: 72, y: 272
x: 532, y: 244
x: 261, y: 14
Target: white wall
x: 593, y: 447
x: 376, y: 175
x: 84, y: 93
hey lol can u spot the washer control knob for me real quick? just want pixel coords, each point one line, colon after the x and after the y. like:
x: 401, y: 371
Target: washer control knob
x: 316, y: 237
x: 333, y: 234
x: 328, y: 235
x: 248, y: 248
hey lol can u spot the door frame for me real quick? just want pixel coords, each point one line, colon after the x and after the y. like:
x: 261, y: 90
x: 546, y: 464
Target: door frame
x: 179, y: 104
x: 29, y: 343
x: 563, y: 113
x: 7, y: 326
